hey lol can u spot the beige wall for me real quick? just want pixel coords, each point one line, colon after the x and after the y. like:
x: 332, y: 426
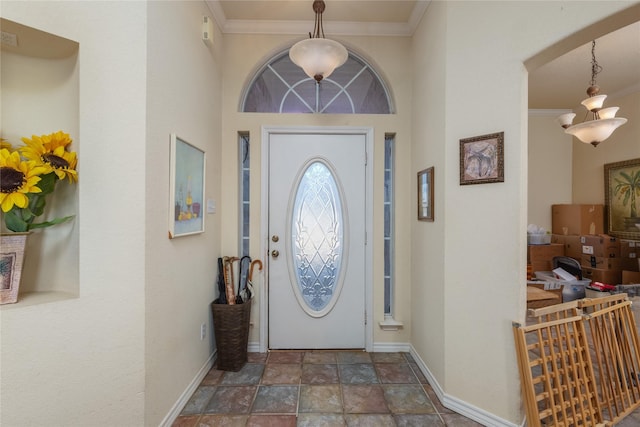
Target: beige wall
x: 550, y: 164
x: 428, y: 149
x: 482, y: 232
x: 80, y: 361
x: 390, y: 57
x: 124, y: 350
x: 128, y: 347
x: 183, y: 93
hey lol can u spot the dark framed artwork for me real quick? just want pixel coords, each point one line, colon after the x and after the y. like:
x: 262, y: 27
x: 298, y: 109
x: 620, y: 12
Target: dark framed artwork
x: 425, y: 195
x: 186, y: 193
x: 621, y: 197
x: 482, y: 159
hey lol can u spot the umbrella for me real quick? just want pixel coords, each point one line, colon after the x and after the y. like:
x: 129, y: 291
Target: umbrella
x: 243, y: 277
x: 222, y: 299
x: 249, y: 284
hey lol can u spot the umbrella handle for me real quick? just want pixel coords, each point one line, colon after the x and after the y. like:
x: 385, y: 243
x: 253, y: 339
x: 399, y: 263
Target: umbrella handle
x: 253, y: 263
x: 228, y: 279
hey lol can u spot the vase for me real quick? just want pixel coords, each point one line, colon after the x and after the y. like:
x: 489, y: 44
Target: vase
x: 12, y: 248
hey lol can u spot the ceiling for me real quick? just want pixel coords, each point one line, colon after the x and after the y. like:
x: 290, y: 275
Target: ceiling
x: 559, y: 84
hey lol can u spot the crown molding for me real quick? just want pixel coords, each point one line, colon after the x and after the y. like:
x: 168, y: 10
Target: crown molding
x: 538, y: 112
x: 235, y: 26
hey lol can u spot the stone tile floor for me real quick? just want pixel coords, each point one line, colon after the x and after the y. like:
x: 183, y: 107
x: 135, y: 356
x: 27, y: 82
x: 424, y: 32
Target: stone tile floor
x: 319, y: 388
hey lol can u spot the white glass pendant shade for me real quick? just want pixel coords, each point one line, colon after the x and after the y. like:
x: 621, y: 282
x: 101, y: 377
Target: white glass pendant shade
x: 595, y: 131
x: 608, y: 113
x: 318, y: 57
x: 594, y: 102
x: 565, y: 120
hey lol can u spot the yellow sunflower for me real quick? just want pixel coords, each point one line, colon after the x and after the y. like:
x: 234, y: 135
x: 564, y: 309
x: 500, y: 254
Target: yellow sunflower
x: 5, y: 144
x: 17, y: 179
x: 50, y: 151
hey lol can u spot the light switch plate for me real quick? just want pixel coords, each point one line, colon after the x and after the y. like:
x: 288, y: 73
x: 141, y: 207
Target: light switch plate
x: 211, y: 206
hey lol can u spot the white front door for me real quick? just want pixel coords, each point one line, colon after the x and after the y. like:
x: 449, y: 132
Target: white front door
x: 316, y: 241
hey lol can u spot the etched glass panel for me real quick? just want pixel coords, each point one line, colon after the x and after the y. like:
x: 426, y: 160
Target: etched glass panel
x: 317, y: 236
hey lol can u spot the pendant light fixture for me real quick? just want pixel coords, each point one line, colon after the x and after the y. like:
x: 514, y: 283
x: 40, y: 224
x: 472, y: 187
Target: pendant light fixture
x: 603, y: 120
x: 317, y: 56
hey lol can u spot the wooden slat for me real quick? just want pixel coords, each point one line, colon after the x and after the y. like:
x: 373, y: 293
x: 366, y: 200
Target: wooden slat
x: 614, y: 337
x: 558, y: 384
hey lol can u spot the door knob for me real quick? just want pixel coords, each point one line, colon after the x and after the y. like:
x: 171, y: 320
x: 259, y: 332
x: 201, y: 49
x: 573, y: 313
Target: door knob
x: 275, y: 253
x: 275, y: 238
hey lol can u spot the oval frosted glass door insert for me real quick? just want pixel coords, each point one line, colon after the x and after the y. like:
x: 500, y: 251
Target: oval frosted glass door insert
x: 317, y: 239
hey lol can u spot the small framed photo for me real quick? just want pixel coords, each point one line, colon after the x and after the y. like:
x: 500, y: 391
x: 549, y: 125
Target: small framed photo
x: 621, y: 189
x: 186, y: 193
x: 425, y: 194
x: 482, y: 159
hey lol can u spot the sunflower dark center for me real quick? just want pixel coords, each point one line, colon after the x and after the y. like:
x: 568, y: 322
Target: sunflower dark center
x: 10, y: 179
x: 55, y: 161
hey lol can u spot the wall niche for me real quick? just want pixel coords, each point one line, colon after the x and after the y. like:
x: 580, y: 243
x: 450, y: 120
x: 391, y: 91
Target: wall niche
x: 39, y: 94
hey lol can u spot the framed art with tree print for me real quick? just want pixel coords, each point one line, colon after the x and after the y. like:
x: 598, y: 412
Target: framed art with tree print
x: 482, y: 159
x: 186, y: 192
x: 425, y: 195
x: 621, y: 197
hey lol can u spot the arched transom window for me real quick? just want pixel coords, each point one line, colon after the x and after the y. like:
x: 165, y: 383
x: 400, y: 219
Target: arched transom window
x: 282, y: 87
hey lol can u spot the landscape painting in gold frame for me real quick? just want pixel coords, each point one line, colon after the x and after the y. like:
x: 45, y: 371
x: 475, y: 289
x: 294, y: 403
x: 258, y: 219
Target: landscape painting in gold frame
x: 621, y: 197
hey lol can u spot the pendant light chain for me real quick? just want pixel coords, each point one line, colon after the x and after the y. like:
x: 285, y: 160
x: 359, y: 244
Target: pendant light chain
x: 595, y: 67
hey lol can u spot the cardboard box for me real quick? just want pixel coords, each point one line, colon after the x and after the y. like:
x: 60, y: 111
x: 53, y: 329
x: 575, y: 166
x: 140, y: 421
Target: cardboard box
x: 549, y: 286
x: 538, y: 298
x: 577, y: 219
x: 630, y: 264
x: 629, y: 277
x: 629, y: 249
x: 572, y: 244
x: 601, y: 245
x: 541, y: 256
x: 609, y: 277
x: 601, y: 262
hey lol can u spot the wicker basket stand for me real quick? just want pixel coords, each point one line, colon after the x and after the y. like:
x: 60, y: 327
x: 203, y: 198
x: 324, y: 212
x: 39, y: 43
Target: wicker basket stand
x: 231, y: 329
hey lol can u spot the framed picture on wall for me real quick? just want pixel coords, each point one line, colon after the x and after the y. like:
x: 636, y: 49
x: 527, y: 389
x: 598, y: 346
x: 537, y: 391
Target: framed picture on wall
x: 186, y: 192
x: 482, y: 159
x: 425, y: 195
x: 621, y: 190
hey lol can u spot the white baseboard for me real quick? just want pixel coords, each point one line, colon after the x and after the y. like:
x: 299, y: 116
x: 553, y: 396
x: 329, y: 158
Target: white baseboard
x: 186, y: 395
x: 459, y: 406
x: 391, y: 347
x: 253, y: 347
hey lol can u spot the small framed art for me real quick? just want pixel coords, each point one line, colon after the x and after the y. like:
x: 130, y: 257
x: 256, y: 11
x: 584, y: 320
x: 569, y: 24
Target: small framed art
x: 186, y: 193
x: 425, y: 194
x: 482, y: 159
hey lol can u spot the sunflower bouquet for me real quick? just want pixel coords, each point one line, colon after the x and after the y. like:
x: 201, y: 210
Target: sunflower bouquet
x: 29, y: 174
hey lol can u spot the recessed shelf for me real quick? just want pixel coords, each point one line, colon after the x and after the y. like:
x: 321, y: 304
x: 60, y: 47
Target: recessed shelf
x: 36, y: 298
x: 36, y: 43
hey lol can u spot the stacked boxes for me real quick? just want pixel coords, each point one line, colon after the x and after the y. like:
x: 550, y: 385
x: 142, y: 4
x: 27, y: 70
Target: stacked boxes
x: 600, y: 259
x: 629, y: 255
x: 580, y: 228
x: 569, y: 223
